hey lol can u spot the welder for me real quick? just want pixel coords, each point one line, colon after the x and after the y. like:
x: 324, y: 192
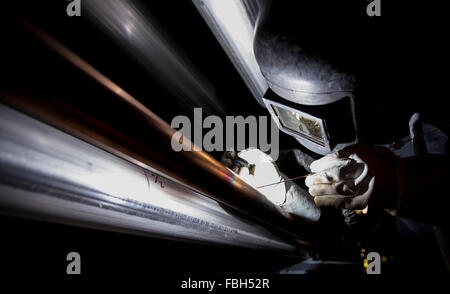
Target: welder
x: 345, y: 86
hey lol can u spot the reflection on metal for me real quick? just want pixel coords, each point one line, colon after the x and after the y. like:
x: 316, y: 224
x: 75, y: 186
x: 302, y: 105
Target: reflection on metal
x: 292, y: 122
x: 198, y: 170
x: 310, y: 266
x: 142, y: 37
x: 233, y: 28
x: 50, y: 175
x: 303, y: 123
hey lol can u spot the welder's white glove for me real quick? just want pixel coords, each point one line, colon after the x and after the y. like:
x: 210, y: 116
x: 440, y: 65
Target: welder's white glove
x: 286, y: 194
x: 353, y: 177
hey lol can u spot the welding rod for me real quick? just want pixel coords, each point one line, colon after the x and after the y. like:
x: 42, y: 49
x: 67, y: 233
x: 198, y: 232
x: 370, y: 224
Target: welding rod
x: 286, y: 180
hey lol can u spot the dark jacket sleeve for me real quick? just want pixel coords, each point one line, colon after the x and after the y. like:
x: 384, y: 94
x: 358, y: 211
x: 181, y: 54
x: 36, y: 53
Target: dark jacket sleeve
x: 424, y: 188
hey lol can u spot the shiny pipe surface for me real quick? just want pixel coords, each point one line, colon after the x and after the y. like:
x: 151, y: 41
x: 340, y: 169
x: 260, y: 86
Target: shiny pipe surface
x: 49, y: 175
x: 137, y: 32
x: 196, y: 169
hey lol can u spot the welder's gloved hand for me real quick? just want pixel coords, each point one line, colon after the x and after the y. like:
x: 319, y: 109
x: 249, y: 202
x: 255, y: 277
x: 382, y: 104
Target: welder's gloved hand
x: 353, y: 177
x: 258, y: 169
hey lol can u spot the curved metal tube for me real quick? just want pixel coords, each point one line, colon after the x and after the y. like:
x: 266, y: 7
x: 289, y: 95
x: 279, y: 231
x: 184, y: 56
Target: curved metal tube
x: 49, y: 175
x: 196, y: 169
x: 143, y: 38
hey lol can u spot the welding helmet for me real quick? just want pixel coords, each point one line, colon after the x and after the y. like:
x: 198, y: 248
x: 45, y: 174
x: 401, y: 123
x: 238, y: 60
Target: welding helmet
x: 316, y: 58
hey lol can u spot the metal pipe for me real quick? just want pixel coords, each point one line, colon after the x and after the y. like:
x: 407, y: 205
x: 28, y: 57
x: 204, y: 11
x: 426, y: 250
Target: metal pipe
x: 196, y: 169
x: 138, y: 33
x: 49, y: 175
